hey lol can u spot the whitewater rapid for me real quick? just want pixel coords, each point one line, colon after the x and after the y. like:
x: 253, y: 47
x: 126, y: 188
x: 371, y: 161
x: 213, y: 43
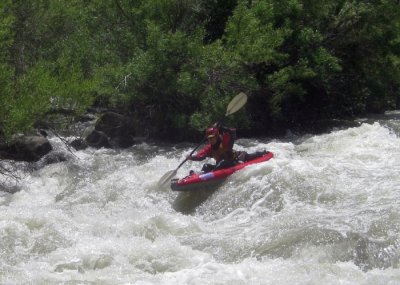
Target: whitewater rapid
x: 324, y: 210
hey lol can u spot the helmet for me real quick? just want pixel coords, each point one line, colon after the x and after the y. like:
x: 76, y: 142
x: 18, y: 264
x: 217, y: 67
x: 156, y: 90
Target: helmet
x: 212, y: 132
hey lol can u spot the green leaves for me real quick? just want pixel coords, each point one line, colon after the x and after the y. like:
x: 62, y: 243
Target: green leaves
x: 175, y: 64
x: 252, y: 37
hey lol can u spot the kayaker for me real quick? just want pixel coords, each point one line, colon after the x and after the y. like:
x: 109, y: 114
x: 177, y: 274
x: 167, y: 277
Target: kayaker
x: 220, y: 147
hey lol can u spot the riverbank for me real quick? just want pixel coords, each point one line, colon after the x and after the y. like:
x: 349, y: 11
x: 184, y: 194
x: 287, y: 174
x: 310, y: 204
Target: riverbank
x: 109, y: 129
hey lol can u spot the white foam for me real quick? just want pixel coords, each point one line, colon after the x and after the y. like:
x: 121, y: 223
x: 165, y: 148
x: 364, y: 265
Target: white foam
x: 323, y: 211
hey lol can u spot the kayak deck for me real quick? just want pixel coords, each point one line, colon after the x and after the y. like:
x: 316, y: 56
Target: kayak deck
x: 213, y: 178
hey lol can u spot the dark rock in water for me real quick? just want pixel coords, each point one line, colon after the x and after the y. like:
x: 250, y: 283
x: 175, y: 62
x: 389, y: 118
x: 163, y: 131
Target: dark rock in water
x: 112, y: 124
x: 54, y: 157
x: 97, y: 139
x: 11, y: 189
x: 116, y: 129
x: 51, y: 158
x: 87, y: 118
x: 79, y: 144
x: 26, y: 148
x: 122, y: 142
x: 43, y: 133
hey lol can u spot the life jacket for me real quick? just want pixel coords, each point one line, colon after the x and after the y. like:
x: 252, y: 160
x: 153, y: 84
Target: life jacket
x: 223, y: 149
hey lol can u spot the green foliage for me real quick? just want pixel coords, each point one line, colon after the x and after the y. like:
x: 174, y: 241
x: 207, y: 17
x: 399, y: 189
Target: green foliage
x: 39, y: 91
x: 6, y: 33
x: 160, y: 78
x: 29, y: 101
x: 252, y: 37
x: 219, y: 77
x: 43, y: 67
x: 5, y: 91
x: 175, y: 64
x: 364, y: 33
x: 6, y: 41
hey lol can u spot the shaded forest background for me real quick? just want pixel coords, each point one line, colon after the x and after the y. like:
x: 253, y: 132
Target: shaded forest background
x: 173, y: 65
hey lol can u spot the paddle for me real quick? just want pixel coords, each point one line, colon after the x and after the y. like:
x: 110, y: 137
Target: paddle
x: 236, y: 104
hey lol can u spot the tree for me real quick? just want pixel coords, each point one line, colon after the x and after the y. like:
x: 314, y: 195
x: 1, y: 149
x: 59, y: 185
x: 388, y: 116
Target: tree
x: 44, y: 63
x: 6, y: 41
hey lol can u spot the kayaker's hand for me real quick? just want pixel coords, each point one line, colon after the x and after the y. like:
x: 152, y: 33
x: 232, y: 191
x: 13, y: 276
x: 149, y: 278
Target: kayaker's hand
x: 189, y: 157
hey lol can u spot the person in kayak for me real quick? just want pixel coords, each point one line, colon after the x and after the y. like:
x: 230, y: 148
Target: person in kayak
x: 220, y: 147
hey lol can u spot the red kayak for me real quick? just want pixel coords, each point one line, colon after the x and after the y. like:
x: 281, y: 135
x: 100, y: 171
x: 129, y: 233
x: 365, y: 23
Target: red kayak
x: 213, y: 178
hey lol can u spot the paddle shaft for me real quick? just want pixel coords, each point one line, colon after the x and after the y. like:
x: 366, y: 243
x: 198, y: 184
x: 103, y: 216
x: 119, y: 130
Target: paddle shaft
x: 187, y: 158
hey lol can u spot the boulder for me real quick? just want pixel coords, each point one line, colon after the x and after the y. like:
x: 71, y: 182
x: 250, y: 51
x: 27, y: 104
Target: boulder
x: 97, y: 139
x: 11, y: 189
x: 116, y: 129
x: 54, y: 157
x: 79, y: 144
x: 26, y: 148
x: 87, y: 118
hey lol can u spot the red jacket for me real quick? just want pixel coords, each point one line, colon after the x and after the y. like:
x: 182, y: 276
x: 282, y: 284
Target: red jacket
x: 221, y: 150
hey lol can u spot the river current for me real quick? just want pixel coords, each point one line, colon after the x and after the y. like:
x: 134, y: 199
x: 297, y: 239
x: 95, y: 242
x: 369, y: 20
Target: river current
x: 324, y: 210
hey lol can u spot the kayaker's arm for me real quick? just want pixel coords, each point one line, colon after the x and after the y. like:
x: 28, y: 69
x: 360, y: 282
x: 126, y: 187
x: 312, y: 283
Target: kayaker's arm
x: 202, y: 154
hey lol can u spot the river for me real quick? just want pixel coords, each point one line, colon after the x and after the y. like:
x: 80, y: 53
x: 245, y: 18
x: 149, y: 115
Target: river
x: 324, y: 210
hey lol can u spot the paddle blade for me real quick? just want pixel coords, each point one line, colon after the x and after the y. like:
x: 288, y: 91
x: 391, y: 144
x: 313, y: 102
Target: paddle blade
x: 236, y: 103
x: 166, y: 178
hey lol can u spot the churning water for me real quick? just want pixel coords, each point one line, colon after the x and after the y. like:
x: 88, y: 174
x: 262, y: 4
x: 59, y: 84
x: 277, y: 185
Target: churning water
x: 324, y: 210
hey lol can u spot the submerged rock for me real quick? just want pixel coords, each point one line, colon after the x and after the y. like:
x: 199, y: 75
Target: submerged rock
x: 54, y: 157
x: 79, y: 144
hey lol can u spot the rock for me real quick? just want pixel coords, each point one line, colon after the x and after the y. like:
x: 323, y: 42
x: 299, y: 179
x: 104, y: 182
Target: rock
x: 42, y: 133
x: 115, y: 125
x: 11, y: 189
x: 122, y: 142
x: 79, y: 144
x: 87, y: 118
x: 116, y: 129
x: 97, y: 139
x: 54, y: 157
x: 26, y: 148
x: 51, y: 158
